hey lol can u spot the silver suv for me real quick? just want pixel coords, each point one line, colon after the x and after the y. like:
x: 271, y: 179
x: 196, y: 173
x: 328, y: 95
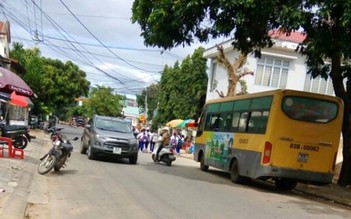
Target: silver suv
x: 109, y: 136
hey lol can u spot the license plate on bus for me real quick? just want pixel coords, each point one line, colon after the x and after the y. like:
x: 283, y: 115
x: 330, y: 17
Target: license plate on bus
x: 303, y: 158
x: 117, y: 150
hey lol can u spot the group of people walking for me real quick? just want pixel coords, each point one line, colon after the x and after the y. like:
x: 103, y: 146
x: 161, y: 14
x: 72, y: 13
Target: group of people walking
x: 148, y: 139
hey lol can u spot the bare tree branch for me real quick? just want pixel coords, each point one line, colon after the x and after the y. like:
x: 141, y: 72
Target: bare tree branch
x: 240, y: 61
x: 246, y: 72
x: 220, y: 94
x: 222, y: 59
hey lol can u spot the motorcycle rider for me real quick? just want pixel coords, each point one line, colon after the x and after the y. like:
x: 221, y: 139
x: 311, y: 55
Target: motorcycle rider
x: 163, y: 140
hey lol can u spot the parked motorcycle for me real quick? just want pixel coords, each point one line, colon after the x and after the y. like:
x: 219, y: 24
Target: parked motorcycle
x: 53, y: 121
x: 166, y: 155
x: 54, y: 133
x: 18, y: 133
x: 57, y: 155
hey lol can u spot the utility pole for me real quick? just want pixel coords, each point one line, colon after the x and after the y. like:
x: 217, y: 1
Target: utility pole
x: 146, y: 104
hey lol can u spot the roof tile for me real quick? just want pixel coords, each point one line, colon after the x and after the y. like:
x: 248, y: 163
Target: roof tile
x: 295, y: 37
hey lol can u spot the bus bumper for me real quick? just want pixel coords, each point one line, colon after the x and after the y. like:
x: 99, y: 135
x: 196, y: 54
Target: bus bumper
x: 300, y: 175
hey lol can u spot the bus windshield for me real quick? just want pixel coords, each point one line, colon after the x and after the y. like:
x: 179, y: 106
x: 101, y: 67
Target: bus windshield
x: 309, y: 110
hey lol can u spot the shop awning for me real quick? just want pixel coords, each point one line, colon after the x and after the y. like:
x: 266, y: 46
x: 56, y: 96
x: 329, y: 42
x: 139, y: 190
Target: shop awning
x: 16, y: 99
x: 9, y: 82
x: 29, y: 102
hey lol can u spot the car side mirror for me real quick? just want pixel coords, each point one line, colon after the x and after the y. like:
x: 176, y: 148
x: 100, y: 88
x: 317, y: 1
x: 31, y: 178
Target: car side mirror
x: 87, y: 126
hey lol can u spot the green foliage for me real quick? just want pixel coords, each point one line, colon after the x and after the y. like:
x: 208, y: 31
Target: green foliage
x: 102, y: 101
x: 79, y: 111
x: 150, y: 94
x: 182, y: 89
x: 55, y: 83
x: 181, y: 92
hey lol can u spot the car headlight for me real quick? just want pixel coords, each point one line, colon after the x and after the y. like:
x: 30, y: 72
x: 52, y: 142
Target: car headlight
x: 132, y: 141
x: 98, y: 136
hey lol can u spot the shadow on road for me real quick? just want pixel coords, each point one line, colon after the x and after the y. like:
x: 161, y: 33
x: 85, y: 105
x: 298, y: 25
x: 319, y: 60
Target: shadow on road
x: 212, y: 176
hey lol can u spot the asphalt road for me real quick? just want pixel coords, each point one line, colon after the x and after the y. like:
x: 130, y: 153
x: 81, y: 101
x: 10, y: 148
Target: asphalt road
x: 115, y: 189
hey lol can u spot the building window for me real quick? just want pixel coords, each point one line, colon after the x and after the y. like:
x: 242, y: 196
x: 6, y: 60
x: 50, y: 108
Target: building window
x: 213, y: 84
x: 272, y: 72
x: 318, y: 85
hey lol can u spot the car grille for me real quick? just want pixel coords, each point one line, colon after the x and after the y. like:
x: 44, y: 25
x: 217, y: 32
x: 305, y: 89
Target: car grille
x: 111, y: 145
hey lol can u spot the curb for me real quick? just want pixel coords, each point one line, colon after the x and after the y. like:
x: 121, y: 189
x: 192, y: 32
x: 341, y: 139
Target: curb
x: 332, y: 193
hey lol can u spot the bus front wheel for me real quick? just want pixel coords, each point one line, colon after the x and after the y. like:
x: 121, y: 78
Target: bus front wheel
x: 234, y: 174
x: 203, y: 166
x: 285, y: 184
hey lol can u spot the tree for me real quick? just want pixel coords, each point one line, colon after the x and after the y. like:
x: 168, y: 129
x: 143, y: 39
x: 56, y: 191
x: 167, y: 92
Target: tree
x: 165, y: 107
x: 55, y: 83
x: 103, y: 102
x: 327, y: 25
x: 150, y: 94
x: 233, y: 70
x: 182, y: 89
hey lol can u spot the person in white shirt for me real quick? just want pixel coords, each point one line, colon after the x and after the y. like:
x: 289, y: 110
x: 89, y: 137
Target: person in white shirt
x: 153, y: 141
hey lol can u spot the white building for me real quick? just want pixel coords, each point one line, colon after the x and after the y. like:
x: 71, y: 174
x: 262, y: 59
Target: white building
x: 279, y: 67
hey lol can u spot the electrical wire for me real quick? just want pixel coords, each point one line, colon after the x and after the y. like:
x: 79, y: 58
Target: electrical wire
x: 70, y: 43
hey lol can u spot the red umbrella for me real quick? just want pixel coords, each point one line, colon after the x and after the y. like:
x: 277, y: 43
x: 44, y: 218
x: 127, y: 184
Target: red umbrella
x: 9, y: 81
x: 18, y: 100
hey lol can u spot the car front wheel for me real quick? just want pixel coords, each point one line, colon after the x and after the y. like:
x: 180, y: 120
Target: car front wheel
x: 90, y: 153
x: 83, y: 149
x: 133, y: 159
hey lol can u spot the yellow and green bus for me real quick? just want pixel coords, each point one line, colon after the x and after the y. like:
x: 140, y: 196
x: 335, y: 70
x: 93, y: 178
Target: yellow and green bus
x: 285, y: 135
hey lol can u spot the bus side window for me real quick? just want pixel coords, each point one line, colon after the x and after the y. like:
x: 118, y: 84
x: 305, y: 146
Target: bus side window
x: 215, y: 124
x: 235, y: 121
x: 218, y: 122
x: 264, y: 121
x: 254, y: 122
x: 243, y: 121
x: 227, y: 122
x: 212, y: 122
x: 208, y: 121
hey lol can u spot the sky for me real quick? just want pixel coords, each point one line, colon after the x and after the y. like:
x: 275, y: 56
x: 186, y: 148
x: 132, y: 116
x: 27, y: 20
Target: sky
x: 98, y: 36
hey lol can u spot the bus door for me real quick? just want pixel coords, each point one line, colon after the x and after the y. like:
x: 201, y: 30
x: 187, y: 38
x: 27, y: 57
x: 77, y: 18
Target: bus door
x: 219, y: 140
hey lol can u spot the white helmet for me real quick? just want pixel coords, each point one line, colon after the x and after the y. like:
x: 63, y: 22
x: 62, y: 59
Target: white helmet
x: 165, y: 129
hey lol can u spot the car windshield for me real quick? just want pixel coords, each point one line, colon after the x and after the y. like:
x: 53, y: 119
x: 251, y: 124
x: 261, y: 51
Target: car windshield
x: 112, y: 125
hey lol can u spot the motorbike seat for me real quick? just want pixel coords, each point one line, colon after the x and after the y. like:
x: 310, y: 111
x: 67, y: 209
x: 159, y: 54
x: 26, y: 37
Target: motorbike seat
x: 67, y: 146
x: 14, y: 127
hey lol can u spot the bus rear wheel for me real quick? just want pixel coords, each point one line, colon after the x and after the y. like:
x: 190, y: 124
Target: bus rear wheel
x: 203, y: 166
x: 234, y: 174
x: 285, y: 184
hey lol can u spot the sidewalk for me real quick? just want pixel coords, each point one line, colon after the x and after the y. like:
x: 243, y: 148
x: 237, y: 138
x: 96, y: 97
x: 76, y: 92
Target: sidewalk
x: 16, y: 176
x: 332, y: 192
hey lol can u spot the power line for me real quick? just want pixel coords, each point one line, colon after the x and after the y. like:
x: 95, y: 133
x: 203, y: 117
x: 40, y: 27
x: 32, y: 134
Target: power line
x: 91, y: 63
x: 79, y: 53
x: 93, y: 35
x: 92, y: 16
